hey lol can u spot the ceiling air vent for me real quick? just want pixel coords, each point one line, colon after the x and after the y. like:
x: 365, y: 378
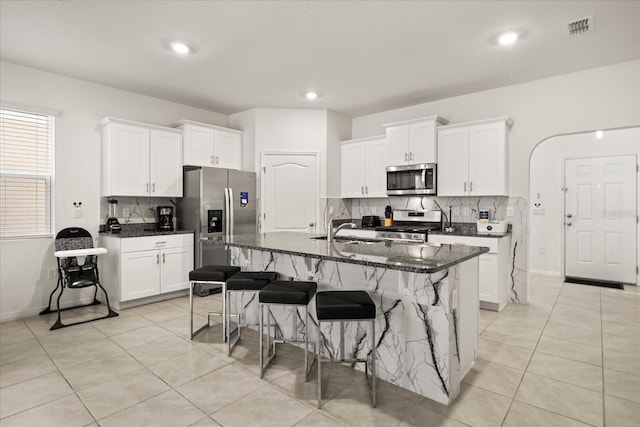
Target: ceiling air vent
x: 580, y: 26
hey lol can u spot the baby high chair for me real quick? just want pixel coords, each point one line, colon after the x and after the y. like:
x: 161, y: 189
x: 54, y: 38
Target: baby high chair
x: 77, y: 268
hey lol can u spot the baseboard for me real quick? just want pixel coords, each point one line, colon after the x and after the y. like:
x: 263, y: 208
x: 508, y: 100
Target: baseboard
x: 34, y: 311
x: 545, y: 272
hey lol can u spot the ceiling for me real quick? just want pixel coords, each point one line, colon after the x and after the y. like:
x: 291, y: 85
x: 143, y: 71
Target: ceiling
x: 361, y: 56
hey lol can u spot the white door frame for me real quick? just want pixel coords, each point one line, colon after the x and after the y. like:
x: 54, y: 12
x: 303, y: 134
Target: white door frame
x: 316, y: 156
x: 564, y: 213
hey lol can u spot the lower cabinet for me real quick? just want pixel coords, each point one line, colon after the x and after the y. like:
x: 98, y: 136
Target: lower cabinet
x: 141, y: 267
x: 493, y: 277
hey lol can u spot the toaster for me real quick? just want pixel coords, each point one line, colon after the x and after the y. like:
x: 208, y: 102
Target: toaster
x: 371, y: 221
x: 491, y: 227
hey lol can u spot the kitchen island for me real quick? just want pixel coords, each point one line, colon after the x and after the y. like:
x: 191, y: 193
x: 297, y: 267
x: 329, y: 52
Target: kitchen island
x: 426, y: 297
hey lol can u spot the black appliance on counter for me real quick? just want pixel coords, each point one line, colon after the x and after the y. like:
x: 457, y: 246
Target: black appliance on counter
x: 113, y: 226
x: 165, y: 218
x: 371, y: 221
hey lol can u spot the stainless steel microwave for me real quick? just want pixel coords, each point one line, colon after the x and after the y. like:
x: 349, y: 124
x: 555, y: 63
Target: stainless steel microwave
x: 412, y: 180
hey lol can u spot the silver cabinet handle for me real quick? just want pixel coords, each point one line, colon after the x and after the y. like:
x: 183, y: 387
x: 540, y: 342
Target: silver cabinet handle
x: 163, y: 259
x: 153, y: 187
x: 157, y: 258
x: 147, y: 187
x: 217, y: 160
x: 465, y: 187
x: 410, y: 155
x: 312, y: 224
x: 569, y: 224
x: 366, y: 189
x: 211, y: 160
x: 361, y: 190
x: 470, y: 186
x: 406, y: 157
x: 569, y: 215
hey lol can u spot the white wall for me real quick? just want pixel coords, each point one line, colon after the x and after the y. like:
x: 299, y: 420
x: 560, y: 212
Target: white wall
x: 547, y: 178
x: 338, y: 129
x: 600, y: 98
x: 24, y: 287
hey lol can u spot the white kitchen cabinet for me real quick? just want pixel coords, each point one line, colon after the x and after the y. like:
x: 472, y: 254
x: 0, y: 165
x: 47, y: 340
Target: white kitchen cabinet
x: 363, y: 167
x: 473, y: 158
x: 494, y: 273
x: 140, y: 159
x: 142, y: 267
x: 413, y: 141
x: 209, y: 145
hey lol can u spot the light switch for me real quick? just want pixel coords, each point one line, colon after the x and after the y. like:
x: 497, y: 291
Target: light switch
x: 510, y: 211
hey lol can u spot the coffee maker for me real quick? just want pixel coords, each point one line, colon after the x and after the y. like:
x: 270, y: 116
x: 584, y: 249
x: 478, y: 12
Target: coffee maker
x: 113, y: 226
x: 165, y: 218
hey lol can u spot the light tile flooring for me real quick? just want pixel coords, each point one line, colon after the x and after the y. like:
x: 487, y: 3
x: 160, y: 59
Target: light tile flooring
x: 570, y: 358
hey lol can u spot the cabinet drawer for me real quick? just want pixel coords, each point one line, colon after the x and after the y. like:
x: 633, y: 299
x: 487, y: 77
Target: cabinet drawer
x: 489, y: 242
x: 134, y: 244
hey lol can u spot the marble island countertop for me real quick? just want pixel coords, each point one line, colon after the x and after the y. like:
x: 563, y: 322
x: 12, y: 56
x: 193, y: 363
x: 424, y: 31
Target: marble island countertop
x: 412, y: 257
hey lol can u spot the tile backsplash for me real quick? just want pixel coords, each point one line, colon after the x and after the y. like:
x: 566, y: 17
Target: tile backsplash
x: 141, y: 209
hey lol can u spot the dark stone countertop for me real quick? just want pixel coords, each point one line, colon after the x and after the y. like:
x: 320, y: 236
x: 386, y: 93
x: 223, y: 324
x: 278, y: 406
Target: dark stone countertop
x: 470, y: 230
x: 412, y: 257
x: 141, y: 230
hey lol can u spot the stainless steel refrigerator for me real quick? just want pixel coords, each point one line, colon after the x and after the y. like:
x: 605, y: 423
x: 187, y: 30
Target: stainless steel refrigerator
x: 216, y: 203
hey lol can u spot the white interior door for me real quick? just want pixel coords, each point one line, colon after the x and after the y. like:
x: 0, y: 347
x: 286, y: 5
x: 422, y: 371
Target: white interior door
x: 289, y: 192
x: 600, y: 218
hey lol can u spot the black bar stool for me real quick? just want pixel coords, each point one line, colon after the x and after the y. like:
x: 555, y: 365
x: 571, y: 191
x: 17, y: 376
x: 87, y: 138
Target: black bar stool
x: 244, y: 281
x: 346, y: 306
x: 213, y: 274
x: 287, y: 293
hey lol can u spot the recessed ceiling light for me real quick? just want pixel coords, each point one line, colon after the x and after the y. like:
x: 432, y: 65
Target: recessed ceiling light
x: 599, y: 134
x: 180, y: 47
x: 508, y: 38
x: 311, y: 95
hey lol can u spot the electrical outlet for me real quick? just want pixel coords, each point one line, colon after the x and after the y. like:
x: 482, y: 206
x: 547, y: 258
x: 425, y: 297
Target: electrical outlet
x: 510, y: 211
x: 52, y: 274
x: 126, y: 212
x: 77, y: 212
x: 331, y: 210
x: 466, y: 211
x: 540, y: 249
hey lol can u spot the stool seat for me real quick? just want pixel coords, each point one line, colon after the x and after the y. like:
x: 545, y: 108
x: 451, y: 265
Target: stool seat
x: 213, y: 273
x: 344, y: 305
x: 251, y: 280
x: 288, y: 292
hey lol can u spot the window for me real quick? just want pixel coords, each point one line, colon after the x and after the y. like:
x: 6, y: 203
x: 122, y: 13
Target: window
x: 26, y: 173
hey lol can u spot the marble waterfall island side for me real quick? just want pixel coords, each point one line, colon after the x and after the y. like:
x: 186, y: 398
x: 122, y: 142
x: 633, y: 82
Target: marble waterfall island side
x: 426, y: 297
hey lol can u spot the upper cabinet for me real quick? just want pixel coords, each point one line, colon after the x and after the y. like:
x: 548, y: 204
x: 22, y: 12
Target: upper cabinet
x: 363, y: 167
x: 473, y: 158
x: 140, y: 159
x: 413, y: 141
x: 209, y: 145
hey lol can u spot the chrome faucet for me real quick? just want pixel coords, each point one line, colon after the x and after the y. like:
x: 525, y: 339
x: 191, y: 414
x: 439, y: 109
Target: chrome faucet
x: 332, y: 233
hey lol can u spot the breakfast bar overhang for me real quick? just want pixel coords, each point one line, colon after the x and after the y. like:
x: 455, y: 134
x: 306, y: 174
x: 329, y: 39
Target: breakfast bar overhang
x: 426, y: 297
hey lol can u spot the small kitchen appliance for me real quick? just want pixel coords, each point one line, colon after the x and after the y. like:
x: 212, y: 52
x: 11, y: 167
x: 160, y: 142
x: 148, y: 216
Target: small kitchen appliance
x: 371, y: 221
x: 113, y: 226
x: 388, y: 216
x: 165, y: 218
x: 486, y: 226
x: 412, y: 180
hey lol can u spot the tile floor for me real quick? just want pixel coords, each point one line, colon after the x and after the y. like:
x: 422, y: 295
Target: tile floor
x: 570, y: 358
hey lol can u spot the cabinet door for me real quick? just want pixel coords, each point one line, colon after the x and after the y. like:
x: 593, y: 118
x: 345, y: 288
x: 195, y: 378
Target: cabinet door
x: 165, y: 164
x: 227, y: 150
x: 487, y: 160
x: 453, y: 162
x: 397, y: 145
x: 198, y: 146
x: 176, y: 265
x: 488, y: 278
x: 130, y: 162
x: 422, y: 141
x: 139, y: 274
x: 376, y: 174
x: 353, y: 170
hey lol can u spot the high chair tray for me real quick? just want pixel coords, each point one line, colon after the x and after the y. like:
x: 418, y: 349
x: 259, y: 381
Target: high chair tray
x: 79, y: 252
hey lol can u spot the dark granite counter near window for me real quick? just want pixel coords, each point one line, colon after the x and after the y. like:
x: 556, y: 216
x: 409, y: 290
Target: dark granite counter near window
x: 141, y: 230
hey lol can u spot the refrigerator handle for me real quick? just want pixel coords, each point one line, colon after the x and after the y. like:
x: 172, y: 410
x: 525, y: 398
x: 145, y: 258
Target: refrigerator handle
x: 231, y: 216
x: 227, y: 212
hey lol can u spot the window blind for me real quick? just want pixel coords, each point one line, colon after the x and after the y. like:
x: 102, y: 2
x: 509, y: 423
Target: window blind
x: 26, y: 173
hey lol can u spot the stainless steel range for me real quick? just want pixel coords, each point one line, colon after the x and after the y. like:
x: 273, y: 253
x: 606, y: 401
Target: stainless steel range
x: 411, y: 226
